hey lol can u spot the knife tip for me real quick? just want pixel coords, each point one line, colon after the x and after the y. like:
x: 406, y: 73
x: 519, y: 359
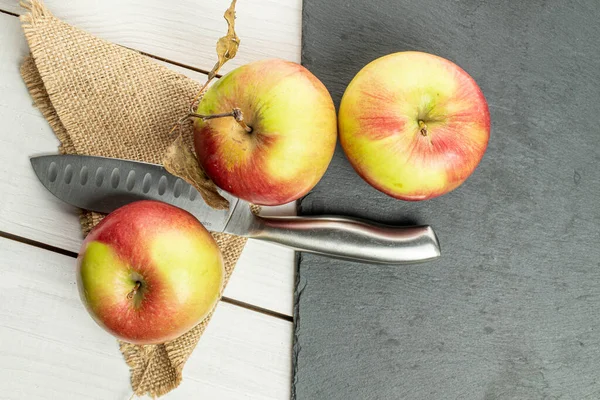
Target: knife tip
x: 37, y: 164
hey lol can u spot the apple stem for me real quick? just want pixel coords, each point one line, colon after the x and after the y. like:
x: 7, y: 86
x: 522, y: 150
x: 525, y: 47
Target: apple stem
x: 130, y: 295
x: 209, y: 116
x: 239, y: 117
x: 236, y: 113
x: 423, y: 128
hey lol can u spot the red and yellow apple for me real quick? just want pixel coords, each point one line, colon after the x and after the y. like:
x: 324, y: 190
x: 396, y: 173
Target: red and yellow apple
x: 413, y: 125
x: 149, y: 272
x: 294, y: 131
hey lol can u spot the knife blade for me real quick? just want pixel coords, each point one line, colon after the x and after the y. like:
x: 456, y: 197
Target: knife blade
x: 104, y: 184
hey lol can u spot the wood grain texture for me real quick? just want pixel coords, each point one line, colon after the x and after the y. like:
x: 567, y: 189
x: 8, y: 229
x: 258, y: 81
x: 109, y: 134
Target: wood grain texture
x: 186, y: 31
x: 51, y: 348
x: 264, y: 275
x: 510, y: 309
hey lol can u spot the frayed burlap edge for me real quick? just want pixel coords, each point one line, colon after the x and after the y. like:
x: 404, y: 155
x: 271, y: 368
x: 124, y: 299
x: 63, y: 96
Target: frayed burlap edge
x: 38, y: 93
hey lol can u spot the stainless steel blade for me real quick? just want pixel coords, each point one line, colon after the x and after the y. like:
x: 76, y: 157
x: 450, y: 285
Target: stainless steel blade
x: 104, y: 184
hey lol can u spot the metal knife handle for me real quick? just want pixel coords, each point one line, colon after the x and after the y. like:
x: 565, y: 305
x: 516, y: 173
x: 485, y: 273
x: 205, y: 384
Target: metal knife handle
x: 350, y: 239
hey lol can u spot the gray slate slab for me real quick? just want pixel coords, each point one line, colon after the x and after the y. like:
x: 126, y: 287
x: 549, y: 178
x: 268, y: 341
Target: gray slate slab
x: 511, y: 310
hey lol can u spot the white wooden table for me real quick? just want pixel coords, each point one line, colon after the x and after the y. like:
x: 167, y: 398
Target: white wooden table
x: 49, y: 347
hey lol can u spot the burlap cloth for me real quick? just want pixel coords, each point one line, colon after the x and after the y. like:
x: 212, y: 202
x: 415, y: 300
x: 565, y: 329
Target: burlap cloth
x: 102, y: 99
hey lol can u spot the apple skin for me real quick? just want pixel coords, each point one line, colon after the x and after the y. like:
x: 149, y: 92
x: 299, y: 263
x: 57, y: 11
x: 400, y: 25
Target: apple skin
x: 294, y: 132
x: 380, y: 130
x: 167, y: 250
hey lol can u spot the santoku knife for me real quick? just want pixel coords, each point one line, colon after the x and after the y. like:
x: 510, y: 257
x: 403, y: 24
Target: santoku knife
x: 105, y: 184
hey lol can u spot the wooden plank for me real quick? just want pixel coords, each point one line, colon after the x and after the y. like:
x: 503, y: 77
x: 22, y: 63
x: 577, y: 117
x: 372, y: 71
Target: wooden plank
x: 186, y: 33
x: 51, y: 348
x: 264, y: 275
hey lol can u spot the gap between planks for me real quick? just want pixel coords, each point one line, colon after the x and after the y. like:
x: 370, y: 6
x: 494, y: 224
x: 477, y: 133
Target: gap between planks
x: 155, y: 57
x: 73, y: 255
x: 9, y: 13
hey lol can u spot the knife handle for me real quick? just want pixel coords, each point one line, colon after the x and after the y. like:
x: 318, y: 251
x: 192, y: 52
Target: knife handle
x: 350, y: 239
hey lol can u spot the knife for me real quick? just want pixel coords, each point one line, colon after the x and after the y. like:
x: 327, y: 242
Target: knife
x: 104, y: 184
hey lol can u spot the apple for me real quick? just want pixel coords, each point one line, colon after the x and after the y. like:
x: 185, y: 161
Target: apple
x: 149, y: 272
x: 293, y: 132
x: 413, y: 125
